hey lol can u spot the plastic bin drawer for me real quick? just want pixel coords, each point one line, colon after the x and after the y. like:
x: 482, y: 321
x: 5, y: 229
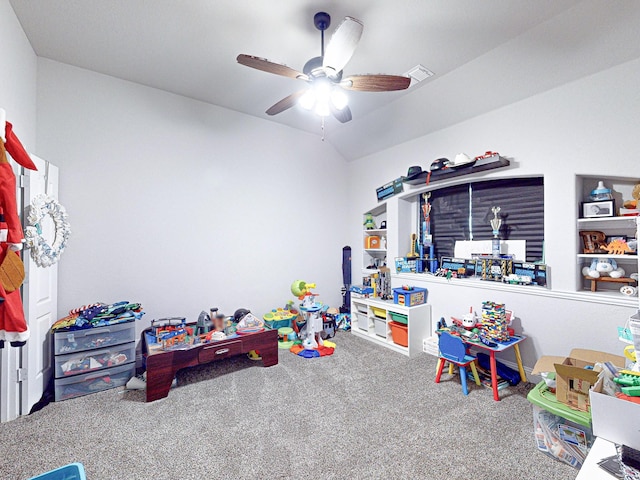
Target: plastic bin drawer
x: 92, y: 338
x: 399, y: 317
x: 93, y: 382
x: 94, y: 360
x: 380, y: 327
x: 363, y: 321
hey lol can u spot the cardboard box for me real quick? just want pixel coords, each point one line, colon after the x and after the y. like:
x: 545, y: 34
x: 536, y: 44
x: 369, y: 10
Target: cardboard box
x: 573, y: 380
x: 615, y: 419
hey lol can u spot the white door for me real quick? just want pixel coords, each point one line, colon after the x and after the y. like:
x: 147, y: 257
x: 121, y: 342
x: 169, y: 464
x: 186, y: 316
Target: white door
x: 39, y: 294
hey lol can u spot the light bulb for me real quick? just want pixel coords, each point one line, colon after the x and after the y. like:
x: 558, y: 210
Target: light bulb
x: 307, y: 100
x: 322, y: 108
x: 339, y: 99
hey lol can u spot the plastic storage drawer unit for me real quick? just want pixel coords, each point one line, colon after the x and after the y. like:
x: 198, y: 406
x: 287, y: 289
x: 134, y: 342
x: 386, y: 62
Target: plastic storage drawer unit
x: 561, y: 432
x: 92, y: 338
x: 93, y: 382
x: 93, y: 360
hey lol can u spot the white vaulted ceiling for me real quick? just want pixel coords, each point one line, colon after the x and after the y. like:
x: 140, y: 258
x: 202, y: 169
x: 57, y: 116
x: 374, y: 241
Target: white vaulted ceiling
x: 485, y: 54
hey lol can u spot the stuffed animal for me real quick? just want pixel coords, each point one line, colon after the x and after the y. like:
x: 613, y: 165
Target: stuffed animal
x: 603, y: 267
x: 369, y: 224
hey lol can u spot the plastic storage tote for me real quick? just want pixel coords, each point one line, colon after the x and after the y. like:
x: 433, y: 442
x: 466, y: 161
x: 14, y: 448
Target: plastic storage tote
x: 73, y: 471
x: 560, y: 432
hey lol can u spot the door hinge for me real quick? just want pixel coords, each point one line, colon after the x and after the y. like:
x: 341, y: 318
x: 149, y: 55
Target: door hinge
x: 21, y: 375
x: 23, y: 181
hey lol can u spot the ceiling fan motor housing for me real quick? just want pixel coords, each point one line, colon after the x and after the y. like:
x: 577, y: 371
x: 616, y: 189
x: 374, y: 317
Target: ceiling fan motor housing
x: 322, y: 20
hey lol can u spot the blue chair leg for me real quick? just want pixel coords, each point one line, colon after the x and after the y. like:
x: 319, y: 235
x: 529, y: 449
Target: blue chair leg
x: 463, y: 380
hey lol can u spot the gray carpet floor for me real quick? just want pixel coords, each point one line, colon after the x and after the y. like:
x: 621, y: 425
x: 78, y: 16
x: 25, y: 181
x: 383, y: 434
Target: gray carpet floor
x: 363, y: 413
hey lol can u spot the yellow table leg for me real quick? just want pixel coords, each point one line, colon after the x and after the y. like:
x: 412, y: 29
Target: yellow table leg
x: 450, y: 368
x: 475, y: 373
x: 523, y: 376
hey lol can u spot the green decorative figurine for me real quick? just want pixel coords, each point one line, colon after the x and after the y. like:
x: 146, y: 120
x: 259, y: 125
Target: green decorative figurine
x: 369, y: 224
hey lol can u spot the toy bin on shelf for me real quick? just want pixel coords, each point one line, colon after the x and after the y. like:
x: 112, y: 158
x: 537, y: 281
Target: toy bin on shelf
x: 409, y: 298
x: 399, y: 317
x: 363, y: 321
x: 73, y: 471
x: 380, y: 327
x: 399, y: 333
x: 379, y: 312
x: 560, y: 431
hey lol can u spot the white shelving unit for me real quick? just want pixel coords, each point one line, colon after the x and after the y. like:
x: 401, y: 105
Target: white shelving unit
x: 621, y: 188
x: 370, y: 319
x: 610, y: 226
x: 374, y: 255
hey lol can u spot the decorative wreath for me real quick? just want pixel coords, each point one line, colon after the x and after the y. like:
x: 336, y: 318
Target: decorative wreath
x: 44, y: 253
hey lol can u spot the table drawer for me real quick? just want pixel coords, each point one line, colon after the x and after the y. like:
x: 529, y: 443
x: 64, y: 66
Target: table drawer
x: 93, y: 360
x: 215, y: 351
x: 92, y: 338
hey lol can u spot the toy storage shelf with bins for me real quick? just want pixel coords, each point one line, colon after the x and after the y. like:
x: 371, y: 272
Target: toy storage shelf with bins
x: 398, y: 327
x: 374, y: 239
x: 94, y: 359
x: 594, y: 231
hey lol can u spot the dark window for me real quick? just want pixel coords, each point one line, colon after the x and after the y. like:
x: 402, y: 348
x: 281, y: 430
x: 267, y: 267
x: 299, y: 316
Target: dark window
x: 463, y: 212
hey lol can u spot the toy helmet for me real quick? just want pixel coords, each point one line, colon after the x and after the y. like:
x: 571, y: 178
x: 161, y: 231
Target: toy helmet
x: 439, y: 164
x: 239, y: 314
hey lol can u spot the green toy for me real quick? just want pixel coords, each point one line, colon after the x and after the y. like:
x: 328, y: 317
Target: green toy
x: 369, y: 224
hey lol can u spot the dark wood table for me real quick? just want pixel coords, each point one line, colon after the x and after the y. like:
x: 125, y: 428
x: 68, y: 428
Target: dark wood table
x: 162, y: 366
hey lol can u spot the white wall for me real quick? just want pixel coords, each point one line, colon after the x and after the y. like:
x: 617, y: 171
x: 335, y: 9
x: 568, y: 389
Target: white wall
x: 588, y: 127
x: 181, y: 205
x: 17, y: 77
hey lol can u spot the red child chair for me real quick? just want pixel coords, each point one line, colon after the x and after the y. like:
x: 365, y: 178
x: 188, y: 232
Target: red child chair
x: 453, y: 350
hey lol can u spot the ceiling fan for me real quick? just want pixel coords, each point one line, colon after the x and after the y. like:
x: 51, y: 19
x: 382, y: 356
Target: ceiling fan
x: 326, y: 84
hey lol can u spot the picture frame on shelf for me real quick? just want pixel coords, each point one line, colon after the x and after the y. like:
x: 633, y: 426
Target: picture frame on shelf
x: 602, y: 208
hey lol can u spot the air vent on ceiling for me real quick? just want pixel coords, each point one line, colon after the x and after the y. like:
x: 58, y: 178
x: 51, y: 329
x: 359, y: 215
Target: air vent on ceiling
x: 418, y: 74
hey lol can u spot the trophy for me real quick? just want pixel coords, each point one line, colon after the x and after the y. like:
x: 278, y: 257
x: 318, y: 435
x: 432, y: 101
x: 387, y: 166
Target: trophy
x: 495, y: 225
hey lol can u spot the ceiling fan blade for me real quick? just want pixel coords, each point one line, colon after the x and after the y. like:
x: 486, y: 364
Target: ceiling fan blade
x: 270, y: 67
x: 343, y: 116
x: 285, y: 103
x: 375, y: 83
x: 342, y: 45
